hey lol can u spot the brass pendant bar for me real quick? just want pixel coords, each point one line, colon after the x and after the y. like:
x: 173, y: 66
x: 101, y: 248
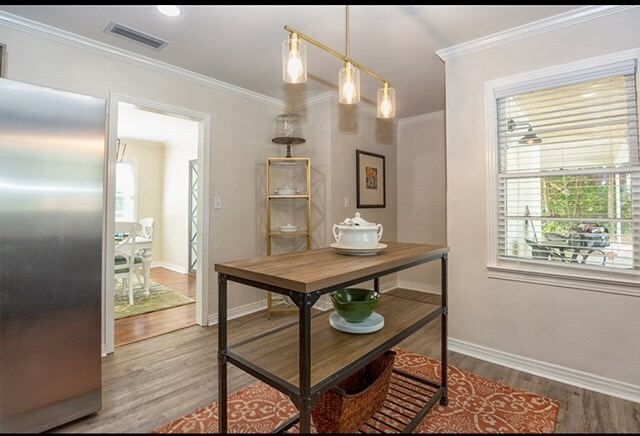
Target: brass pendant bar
x: 336, y: 54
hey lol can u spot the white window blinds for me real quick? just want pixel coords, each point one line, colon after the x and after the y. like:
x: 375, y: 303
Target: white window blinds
x: 569, y: 170
x: 125, y: 191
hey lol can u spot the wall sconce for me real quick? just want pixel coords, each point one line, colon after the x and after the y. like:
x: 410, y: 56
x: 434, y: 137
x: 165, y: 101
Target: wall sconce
x: 294, y: 70
x: 529, y: 138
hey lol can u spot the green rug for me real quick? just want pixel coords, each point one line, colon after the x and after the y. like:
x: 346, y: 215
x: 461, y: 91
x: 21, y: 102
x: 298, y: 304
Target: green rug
x: 160, y: 298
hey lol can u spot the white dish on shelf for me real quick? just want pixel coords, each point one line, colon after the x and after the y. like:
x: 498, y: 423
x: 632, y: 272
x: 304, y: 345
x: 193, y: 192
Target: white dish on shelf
x: 372, y: 324
x: 358, y: 251
x: 288, y: 228
x: 286, y: 191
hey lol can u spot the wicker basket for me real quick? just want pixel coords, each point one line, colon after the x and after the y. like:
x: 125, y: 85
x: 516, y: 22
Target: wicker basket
x: 346, y: 407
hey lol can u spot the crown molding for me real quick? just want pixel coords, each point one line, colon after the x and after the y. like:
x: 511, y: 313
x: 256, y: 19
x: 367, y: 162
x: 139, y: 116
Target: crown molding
x: 58, y: 35
x: 332, y: 97
x: 537, y: 27
x: 327, y: 96
x: 420, y: 118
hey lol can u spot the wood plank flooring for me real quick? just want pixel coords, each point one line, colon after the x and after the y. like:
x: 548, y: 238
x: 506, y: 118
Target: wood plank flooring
x: 148, y: 325
x: 149, y: 383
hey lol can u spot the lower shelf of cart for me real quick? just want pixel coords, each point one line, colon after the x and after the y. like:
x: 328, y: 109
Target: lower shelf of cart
x: 408, y: 401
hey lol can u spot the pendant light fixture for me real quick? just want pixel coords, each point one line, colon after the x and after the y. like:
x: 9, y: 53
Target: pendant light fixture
x: 349, y: 76
x: 294, y: 70
x: 294, y: 60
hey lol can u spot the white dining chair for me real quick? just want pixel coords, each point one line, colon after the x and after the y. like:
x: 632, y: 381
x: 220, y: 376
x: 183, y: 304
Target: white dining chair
x: 127, y: 261
x: 147, y: 234
x: 148, y: 227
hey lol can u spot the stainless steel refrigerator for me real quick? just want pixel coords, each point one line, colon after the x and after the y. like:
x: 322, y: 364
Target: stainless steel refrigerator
x: 52, y: 152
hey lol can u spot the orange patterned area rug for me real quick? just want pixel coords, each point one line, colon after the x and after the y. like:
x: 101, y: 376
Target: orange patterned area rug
x: 476, y: 405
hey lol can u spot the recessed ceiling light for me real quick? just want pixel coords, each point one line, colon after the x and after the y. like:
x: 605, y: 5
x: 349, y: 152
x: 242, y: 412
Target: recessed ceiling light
x: 169, y: 10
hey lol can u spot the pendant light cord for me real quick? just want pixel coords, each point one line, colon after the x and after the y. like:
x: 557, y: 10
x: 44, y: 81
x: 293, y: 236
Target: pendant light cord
x: 347, y: 29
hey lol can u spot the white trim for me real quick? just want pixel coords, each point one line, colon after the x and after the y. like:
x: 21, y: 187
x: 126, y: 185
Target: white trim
x: 530, y: 29
x: 237, y: 312
x: 567, y: 68
x: 100, y: 48
x: 169, y: 266
x: 332, y: 97
x: 550, y: 371
x: 320, y: 98
x: 491, y: 159
x: 420, y: 118
x: 204, y: 185
x: 565, y: 280
x: 420, y: 287
x: 545, y: 276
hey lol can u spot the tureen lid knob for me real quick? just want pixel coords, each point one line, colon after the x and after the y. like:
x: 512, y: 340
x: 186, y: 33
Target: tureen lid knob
x: 357, y: 220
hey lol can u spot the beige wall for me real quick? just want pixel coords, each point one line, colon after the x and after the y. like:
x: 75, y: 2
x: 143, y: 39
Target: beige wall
x: 333, y: 133
x: 163, y: 194
x: 239, y: 126
x: 240, y: 142
x: 174, y: 229
x: 357, y: 128
x: 421, y: 194
x: 592, y: 335
x: 149, y: 157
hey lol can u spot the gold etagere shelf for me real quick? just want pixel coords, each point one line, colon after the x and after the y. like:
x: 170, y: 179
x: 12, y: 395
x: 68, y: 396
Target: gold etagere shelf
x: 281, y: 201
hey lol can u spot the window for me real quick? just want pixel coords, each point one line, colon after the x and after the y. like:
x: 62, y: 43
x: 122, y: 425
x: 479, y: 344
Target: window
x: 567, y: 172
x: 126, y: 188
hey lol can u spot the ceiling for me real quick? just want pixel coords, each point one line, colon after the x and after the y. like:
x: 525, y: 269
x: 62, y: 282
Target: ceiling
x: 241, y: 45
x: 146, y: 125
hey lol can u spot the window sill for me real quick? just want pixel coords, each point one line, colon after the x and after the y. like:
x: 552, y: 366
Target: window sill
x: 623, y: 284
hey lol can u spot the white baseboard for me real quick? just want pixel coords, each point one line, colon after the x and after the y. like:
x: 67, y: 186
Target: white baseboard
x: 170, y: 266
x: 240, y: 311
x: 550, y: 371
x: 420, y: 287
x: 321, y: 304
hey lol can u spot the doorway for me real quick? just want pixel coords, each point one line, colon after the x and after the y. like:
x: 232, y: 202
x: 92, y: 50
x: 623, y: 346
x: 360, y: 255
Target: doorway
x: 169, y: 264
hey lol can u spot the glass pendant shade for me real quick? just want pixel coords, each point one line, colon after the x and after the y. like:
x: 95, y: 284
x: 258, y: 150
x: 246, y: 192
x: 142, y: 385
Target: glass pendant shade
x: 294, y: 60
x: 386, y: 102
x: 349, y: 84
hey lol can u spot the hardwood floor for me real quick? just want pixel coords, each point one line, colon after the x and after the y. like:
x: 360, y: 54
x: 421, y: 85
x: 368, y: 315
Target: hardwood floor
x: 148, y: 325
x: 150, y: 383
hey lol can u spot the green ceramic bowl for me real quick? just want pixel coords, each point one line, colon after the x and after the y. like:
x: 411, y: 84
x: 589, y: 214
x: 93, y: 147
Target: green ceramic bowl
x: 355, y: 304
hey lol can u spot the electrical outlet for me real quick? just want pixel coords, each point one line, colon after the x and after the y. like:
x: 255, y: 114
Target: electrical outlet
x: 217, y: 202
x: 347, y: 202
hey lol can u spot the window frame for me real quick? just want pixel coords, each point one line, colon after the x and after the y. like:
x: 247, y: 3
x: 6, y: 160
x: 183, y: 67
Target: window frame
x: 531, y: 272
x: 134, y: 164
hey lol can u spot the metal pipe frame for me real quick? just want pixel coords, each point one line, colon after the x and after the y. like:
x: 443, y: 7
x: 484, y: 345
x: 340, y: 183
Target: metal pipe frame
x: 305, y: 396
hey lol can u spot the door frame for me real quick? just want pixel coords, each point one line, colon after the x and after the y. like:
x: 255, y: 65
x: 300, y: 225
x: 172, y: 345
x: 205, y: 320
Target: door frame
x: 204, y: 166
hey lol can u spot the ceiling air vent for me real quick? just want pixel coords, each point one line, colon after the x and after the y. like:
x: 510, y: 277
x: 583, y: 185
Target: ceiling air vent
x: 135, y: 36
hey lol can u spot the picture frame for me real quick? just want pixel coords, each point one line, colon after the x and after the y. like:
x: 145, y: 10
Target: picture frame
x: 370, y: 180
x: 3, y: 56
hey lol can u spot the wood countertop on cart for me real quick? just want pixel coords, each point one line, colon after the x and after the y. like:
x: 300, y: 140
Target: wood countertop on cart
x: 322, y: 268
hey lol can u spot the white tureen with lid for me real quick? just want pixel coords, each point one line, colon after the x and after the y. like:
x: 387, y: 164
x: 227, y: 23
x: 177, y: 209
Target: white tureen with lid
x: 357, y: 232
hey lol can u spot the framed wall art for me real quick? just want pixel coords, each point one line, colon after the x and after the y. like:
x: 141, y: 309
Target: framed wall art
x: 370, y: 180
x: 3, y: 58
